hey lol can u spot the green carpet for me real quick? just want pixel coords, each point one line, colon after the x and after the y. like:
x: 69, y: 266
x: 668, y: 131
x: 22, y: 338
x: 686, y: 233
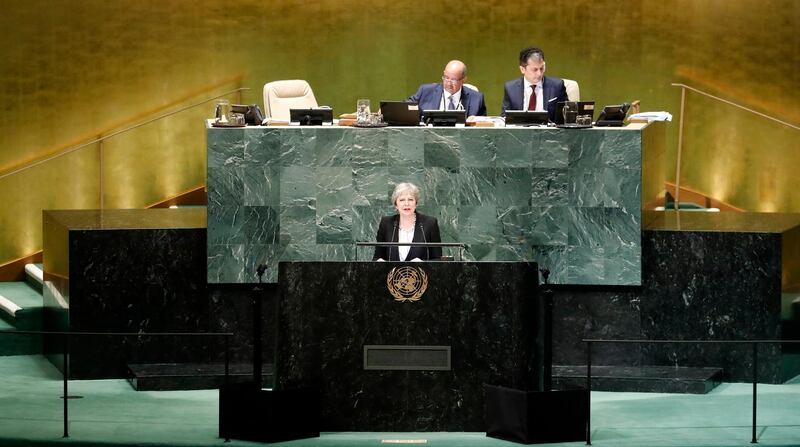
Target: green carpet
x: 110, y: 412
x: 21, y: 293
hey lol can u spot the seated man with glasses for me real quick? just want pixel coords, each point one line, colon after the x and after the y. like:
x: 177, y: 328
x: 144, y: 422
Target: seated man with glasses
x: 451, y: 94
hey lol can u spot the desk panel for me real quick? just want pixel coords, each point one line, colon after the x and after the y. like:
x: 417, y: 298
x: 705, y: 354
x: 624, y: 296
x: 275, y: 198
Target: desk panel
x: 570, y: 200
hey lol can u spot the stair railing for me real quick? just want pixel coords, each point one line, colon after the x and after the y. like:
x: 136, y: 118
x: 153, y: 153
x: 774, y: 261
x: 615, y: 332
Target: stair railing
x: 685, y: 87
x: 114, y: 131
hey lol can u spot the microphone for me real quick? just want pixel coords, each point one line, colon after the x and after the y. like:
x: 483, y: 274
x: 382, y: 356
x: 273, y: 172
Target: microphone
x: 394, y: 231
x: 260, y: 270
x: 427, y: 249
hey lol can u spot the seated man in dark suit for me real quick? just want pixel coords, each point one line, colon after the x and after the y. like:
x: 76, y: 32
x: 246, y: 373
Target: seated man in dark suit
x: 450, y: 94
x: 533, y: 90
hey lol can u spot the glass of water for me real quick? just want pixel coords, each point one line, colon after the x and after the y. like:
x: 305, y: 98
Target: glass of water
x: 362, y: 111
x: 223, y: 111
x: 570, y: 112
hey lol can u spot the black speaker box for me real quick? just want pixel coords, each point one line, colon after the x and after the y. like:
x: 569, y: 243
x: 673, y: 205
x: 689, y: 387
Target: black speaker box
x: 250, y: 413
x: 536, y: 417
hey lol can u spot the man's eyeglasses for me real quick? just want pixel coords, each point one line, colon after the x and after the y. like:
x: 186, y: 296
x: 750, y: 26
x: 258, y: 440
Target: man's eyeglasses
x: 447, y: 80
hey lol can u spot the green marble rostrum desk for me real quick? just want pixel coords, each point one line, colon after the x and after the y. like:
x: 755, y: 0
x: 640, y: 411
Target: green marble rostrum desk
x: 569, y: 199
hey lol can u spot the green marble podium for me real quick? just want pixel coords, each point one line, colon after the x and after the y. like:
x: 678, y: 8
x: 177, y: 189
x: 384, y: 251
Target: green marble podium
x: 571, y: 200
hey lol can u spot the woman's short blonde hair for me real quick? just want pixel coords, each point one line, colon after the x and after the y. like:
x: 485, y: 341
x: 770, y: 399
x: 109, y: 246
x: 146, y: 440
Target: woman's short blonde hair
x: 405, y: 188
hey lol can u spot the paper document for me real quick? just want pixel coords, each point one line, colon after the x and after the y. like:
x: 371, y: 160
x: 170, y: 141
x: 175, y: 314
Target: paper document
x: 651, y: 116
x: 496, y: 120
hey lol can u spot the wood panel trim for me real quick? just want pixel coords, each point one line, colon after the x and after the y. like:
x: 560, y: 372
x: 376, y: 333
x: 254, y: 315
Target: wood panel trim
x: 692, y: 195
x: 15, y: 270
x: 196, y: 196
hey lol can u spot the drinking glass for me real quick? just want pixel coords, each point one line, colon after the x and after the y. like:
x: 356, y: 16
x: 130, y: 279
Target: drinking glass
x: 362, y: 111
x: 236, y: 118
x: 223, y: 111
x: 570, y: 112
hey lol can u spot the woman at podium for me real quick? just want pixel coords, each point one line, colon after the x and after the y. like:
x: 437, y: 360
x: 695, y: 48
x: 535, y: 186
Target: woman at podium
x: 407, y: 226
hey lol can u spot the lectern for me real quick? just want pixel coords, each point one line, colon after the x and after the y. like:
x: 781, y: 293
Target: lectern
x: 405, y: 346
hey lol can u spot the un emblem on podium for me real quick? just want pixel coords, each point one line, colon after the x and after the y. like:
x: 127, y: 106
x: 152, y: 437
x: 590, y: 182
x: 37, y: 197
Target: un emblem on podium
x: 407, y: 283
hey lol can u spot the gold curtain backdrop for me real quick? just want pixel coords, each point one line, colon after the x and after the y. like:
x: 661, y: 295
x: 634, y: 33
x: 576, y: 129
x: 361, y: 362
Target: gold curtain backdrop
x: 74, y: 69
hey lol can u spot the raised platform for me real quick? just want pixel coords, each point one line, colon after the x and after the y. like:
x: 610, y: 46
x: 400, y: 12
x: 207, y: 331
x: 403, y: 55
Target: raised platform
x: 706, y: 276
x: 646, y: 379
x: 135, y: 271
x: 191, y: 376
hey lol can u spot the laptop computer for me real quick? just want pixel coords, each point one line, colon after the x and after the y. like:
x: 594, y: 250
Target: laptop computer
x: 584, y: 108
x: 400, y: 113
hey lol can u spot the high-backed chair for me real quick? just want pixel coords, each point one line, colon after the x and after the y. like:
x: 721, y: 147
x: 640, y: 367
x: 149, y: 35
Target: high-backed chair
x: 573, y: 91
x: 280, y: 96
x: 471, y: 86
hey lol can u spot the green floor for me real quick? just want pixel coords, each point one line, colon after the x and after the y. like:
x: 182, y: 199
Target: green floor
x: 110, y: 412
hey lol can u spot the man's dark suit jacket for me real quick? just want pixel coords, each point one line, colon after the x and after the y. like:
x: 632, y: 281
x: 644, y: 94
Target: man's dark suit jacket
x: 553, y: 91
x: 429, y: 97
x: 426, y: 230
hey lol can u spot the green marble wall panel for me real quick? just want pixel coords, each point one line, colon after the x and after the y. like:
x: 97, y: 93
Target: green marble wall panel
x: 570, y: 200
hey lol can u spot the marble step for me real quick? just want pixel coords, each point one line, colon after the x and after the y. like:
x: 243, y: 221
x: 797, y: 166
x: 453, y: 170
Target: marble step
x: 191, y: 376
x: 20, y: 309
x: 646, y: 379
x: 21, y: 305
x: 34, y: 275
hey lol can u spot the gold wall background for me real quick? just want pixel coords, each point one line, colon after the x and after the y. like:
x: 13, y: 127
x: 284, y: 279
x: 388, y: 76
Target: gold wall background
x: 71, y: 69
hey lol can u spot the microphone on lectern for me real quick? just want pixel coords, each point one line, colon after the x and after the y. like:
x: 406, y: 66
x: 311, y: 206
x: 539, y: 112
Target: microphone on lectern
x: 394, y: 232
x: 427, y: 249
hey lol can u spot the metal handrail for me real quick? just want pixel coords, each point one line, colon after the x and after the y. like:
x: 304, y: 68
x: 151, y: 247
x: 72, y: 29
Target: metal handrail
x: 411, y: 244
x: 458, y: 245
x: 747, y: 109
x: 685, y: 87
x: 100, y: 139
x: 67, y: 334
x: 589, y: 342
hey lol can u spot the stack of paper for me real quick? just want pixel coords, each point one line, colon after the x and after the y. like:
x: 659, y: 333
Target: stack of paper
x: 651, y: 116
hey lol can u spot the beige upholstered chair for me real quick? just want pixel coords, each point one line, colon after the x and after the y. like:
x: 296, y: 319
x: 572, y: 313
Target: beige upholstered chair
x: 280, y: 96
x: 573, y: 91
x: 471, y: 86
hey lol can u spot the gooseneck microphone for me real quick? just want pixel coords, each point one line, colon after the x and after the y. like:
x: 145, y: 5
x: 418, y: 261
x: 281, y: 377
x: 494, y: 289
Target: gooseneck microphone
x: 260, y: 270
x: 427, y: 249
x: 394, y: 232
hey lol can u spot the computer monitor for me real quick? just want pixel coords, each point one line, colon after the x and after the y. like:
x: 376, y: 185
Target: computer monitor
x: 584, y: 108
x: 444, y: 118
x: 311, y: 117
x: 400, y: 113
x: 526, y: 118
